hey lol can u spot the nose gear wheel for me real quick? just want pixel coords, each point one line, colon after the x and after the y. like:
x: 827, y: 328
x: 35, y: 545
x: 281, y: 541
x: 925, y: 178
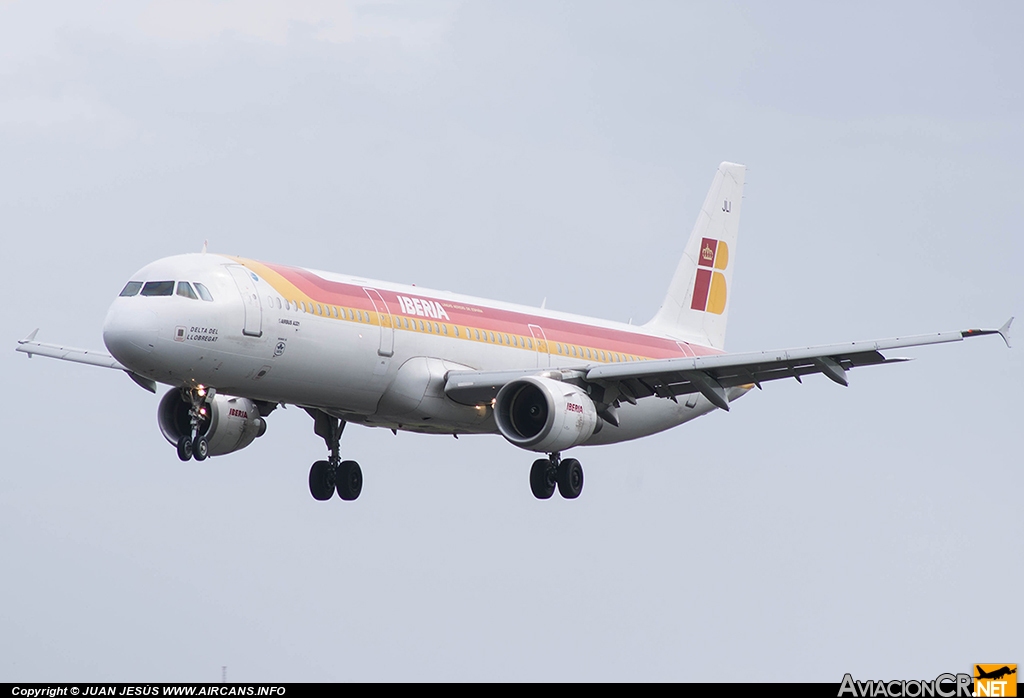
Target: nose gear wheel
x: 194, y: 443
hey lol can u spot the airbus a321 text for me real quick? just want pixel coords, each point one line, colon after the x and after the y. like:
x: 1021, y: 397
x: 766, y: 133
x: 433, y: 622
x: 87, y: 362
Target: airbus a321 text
x: 236, y: 338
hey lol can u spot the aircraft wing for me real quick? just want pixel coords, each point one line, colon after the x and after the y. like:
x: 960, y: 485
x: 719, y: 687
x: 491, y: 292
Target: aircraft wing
x: 91, y: 357
x: 710, y: 376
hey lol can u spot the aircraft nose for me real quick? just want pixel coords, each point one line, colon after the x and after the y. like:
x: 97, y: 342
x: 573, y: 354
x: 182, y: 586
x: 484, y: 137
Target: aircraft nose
x: 130, y: 334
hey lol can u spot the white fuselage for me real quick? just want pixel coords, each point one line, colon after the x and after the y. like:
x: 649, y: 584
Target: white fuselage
x: 366, y: 351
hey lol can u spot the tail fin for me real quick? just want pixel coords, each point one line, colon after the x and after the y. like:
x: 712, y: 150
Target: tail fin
x: 697, y: 305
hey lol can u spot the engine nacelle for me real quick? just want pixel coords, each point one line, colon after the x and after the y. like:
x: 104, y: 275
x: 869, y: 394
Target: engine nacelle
x: 230, y: 423
x: 545, y: 415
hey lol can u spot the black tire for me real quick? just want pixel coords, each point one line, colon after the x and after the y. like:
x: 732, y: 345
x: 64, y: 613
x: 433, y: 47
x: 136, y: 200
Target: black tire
x: 185, y: 448
x: 570, y: 478
x: 349, y: 480
x: 200, y: 448
x: 541, y: 482
x: 321, y: 481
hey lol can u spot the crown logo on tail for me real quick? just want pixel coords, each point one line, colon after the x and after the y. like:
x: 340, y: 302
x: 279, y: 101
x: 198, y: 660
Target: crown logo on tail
x: 709, y: 292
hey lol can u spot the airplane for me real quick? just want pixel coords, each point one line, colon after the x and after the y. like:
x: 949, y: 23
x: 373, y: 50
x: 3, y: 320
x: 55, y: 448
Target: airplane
x: 236, y: 338
x: 994, y: 674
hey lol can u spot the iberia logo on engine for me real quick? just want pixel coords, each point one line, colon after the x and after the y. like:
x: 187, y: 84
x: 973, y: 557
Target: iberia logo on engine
x: 709, y: 291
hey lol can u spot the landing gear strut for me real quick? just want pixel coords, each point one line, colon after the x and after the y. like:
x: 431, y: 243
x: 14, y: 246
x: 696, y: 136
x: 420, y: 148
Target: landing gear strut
x: 547, y: 473
x: 194, y: 443
x: 333, y: 474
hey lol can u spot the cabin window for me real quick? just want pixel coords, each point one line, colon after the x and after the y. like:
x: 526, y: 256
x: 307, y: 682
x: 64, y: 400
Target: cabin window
x: 477, y: 333
x: 444, y: 329
x: 588, y: 354
x: 529, y: 344
x: 204, y: 293
x: 491, y: 334
x: 573, y: 350
x: 185, y: 290
x: 406, y: 323
x: 515, y: 341
x: 131, y: 289
x: 430, y: 328
x: 500, y: 341
x: 158, y: 288
x: 603, y: 357
x: 456, y: 328
x: 559, y: 347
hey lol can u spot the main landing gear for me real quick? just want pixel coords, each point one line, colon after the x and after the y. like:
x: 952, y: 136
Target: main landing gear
x: 548, y: 472
x: 332, y: 474
x: 193, y: 444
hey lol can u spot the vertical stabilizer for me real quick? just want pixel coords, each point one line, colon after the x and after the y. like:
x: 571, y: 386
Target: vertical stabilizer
x: 697, y: 305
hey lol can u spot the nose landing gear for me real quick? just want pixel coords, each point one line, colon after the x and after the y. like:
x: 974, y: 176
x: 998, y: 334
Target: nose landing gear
x: 194, y: 443
x: 547, y: 473
x: 333, y: 474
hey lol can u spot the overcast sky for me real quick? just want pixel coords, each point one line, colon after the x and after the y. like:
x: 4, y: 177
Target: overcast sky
x: 523, y: 151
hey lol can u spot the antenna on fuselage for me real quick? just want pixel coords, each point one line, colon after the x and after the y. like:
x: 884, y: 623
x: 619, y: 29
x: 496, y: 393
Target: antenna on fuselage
x: 204, y: 247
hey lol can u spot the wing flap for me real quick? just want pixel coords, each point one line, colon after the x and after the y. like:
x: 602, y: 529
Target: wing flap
x: 710, y: 376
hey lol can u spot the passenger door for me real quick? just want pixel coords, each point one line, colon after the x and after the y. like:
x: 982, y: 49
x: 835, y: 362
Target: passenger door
x: 246, y: 283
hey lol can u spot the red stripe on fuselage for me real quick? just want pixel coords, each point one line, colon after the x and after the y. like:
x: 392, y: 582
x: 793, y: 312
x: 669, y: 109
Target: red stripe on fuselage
x: 490, y: 319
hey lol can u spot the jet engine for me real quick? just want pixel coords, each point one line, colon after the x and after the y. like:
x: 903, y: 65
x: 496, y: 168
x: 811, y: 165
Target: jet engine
x: 545, y: 415
x: 229, y: 423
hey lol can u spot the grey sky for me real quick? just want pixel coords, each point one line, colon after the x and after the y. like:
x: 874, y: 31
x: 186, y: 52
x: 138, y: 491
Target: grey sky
x: 522, y: 150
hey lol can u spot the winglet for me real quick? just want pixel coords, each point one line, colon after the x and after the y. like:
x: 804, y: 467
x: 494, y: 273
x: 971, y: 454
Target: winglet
x: 1003, y: 332
x: 28, y: 340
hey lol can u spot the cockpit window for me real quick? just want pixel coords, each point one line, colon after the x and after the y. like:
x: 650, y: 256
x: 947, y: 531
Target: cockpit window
x: 185, y: 290
x: 132, y: 288
x: 203, y: 292
x: 158, y: 288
